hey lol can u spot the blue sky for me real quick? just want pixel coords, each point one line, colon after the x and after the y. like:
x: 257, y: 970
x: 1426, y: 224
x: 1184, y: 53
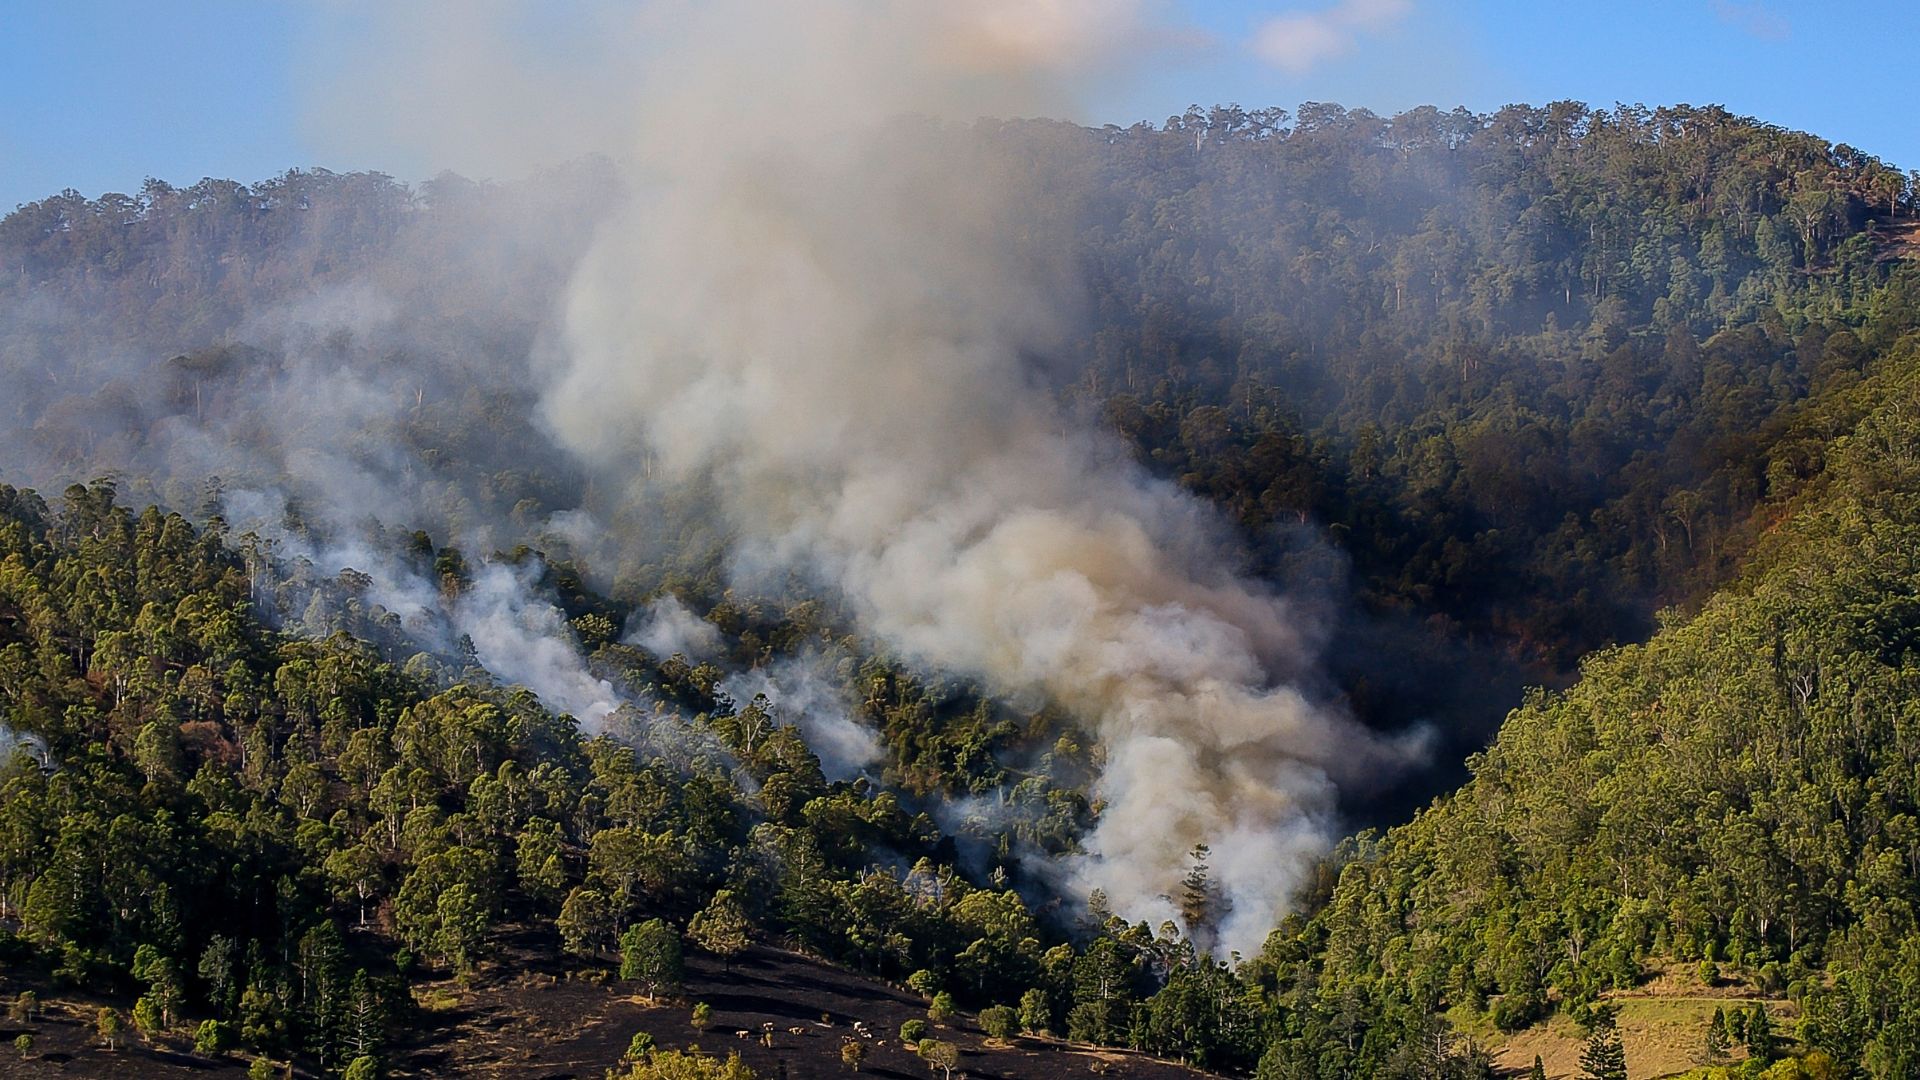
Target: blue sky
x: 97, y: 94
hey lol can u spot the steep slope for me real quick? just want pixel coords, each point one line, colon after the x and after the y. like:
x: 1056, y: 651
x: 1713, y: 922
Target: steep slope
x: 1534, y: 373
x: 1737, y: 794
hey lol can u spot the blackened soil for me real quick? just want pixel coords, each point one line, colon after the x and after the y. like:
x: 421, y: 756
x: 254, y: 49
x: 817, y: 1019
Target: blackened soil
x: 537, y: 1024
x: 525, y: 1018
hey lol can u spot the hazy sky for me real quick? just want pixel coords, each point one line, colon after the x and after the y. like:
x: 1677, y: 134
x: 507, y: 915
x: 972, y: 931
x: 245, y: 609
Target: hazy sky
x: 97, y: 94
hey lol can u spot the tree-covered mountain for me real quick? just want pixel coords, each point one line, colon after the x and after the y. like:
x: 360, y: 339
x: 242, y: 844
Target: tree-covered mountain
x: 1543, y: 352
x: 1492, y: 391
x: 1735, y: 793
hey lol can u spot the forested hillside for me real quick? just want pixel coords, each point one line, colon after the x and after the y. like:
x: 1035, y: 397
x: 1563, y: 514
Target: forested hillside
x: 1545, y: 352
x: 1737, y: 793
x: 1625, y: 402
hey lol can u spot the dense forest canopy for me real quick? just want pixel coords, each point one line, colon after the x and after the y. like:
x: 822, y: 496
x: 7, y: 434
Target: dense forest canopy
x: 1492, y: 347
x: 1484, y: 394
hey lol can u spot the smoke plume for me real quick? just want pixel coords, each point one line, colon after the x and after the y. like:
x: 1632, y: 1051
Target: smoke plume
x: 824, y: 305
x: 827, y: 317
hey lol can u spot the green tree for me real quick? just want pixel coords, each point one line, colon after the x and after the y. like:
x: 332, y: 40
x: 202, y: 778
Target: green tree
x: 941, y: 1055
x: 365, y: 1019
x: 1604, y: 1058
x: 1761, y: 1042
x: 1036, y: 1012
x: 357, y: 873
x: 1539, y: 1070
x: 1000, y: 1022
x: 702, y: 1016
x: 1201, y: 904
x: 108, y: 1025
x: 912, y: 1031
x: 941, y: 1008
x: 216, y: 971
x: 462, y: 922
x: 1089, y: 1022
x: 1716, y: 1041
x: 587, y: 922
x: 650, y: 955
x: 1102, y: 982
x: 362, y: 1068
x: 540, y: 860
x: 210, y: 1039
x: 262, y: 1017
x: 23, y: 1044
x: 721, y: 927
x: 146, y: 1017
x: 689, y: 1064
x: 639, y: 1046
x: 853, y: 1054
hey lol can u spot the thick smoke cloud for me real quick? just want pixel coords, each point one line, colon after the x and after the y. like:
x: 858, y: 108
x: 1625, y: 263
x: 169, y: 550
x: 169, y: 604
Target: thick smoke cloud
x: 824, y: 307
x: 824, y: 316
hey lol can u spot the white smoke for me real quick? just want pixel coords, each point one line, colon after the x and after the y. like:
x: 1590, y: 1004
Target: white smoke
x: 802, y: 695
x: 516, y: 634
x: 824, y: 314
x: 19, y: 742
x: 666, y: 627
x: 1299, y: 41
x: 525, y: 640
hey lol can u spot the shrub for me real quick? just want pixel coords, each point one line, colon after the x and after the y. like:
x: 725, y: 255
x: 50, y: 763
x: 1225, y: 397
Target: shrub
x: 1036, y: 1013
x: 210, y: 1038
x: 1513, y: 1012
x: 147, y: 1017
x: 640, y: 1047
x: 1000, y: 1022
x: 110, y: 1027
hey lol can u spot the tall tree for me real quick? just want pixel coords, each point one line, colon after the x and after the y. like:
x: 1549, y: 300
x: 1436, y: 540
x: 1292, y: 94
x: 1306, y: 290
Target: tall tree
x: 721, y: 927
x: 650, y: 955
x: 1604, y: 1057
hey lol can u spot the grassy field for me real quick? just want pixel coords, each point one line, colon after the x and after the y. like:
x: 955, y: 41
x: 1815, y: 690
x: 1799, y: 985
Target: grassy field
x: 1663, y: 1025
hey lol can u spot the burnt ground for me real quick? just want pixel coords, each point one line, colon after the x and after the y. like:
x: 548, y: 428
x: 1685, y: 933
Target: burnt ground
x: 65, y: 1045
x: 534, y: 1023
x: 523, y: 1017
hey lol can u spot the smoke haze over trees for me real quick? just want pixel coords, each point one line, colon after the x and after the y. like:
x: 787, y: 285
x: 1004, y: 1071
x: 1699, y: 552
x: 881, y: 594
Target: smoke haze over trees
x: 1030, y: 546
